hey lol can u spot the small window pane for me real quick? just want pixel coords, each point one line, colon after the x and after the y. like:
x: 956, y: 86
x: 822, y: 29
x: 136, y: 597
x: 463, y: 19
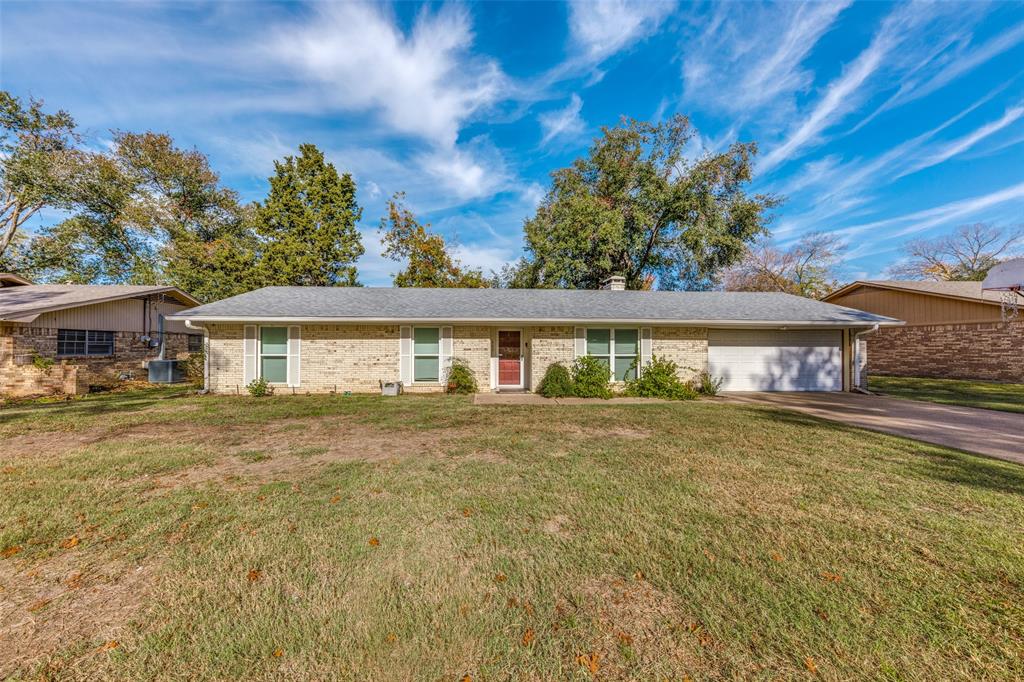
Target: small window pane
x: 274, y: 340
x: 70, y: 342
x: 624, y: 369
x: 625, y: 342
x: 274, y: 370
x: 195, y: 343
x: 100, y: 343
x: 426, y: 341
x: 604, y: 361
x: 598, y: 341
x: 426, y: 369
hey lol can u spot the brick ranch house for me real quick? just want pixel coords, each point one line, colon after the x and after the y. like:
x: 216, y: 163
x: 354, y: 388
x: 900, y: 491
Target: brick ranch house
x: 953, y: 330
x: 66, y: 338
x: 314, y: 339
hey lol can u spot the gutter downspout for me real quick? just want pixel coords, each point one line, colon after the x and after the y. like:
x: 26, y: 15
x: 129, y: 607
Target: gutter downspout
x: 206, y: 353
x: 857, y: 374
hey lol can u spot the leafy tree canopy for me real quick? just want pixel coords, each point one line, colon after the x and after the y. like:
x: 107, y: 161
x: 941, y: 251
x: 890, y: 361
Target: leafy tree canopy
x: 636, y: 206
x: 308, y: 224
x: 428, y: 262
x: 38, y: 163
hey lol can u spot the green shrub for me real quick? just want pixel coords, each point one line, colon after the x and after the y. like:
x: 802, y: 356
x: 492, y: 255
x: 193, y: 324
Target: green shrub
x: 557, y: 382
x: 660, y: 379
x: 709, y: 385
x: 460, y: 378
x: 259, y: 387
x: 590, y: 377
x: 42, y: 363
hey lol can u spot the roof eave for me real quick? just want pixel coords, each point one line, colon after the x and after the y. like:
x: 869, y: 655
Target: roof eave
x: 234, y: 319
x: 36, y: 312
x: 860, y: 283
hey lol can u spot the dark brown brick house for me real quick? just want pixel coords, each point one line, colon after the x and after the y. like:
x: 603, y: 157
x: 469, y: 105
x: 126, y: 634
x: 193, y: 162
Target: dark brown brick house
x: 953, y: 330
x: 65, y: 338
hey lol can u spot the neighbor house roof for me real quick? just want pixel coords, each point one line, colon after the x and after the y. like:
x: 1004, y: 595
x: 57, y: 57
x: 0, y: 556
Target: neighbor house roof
x: 25, y: 303
x: 358, y: 304
x: 9, y: 279
x: 970, y: 291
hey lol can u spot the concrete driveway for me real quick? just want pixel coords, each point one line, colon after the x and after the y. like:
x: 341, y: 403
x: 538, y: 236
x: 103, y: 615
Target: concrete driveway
x: 986, y: 432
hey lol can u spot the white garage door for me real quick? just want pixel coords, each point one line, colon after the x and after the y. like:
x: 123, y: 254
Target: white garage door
x: 766, y: 360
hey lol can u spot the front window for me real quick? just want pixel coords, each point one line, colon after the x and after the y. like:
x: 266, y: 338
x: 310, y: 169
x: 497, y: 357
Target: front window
x: 274, y: 354
x: 617, y: 349
x: 84, y: 342
x: 426, y: 354
x: 195, y: 343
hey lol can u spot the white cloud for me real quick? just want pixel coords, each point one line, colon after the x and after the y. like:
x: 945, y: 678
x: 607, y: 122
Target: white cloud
x: 474, y: 171
x: 965, y: 142
x: 426, y: 83
x: 904, y: 41
x: 600, y: 28
x: 758, y: 50
x: 565, y: 122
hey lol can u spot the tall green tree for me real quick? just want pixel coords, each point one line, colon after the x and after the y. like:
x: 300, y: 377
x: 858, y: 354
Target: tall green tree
x: 39, y: 163
x: 636, y: 207
x: 308, y: 224
x: 150, y: 212
x: 428, y: 262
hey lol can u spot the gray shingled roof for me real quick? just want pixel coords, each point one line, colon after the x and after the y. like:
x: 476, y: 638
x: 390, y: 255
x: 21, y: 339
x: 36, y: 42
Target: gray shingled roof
x: 28, y: 301
x: 534, y: 305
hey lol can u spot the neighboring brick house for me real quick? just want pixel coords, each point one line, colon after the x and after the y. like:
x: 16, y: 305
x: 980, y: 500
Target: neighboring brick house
x: 321, y: 339
x: 65, y: 338
x: 953, y: 330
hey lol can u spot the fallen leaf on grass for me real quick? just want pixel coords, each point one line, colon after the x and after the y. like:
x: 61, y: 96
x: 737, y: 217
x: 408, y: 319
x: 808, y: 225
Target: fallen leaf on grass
x: 832, y: 577
x: 500, y: 578
x: 69, y: 542
x: 810, y: 665
x: 112, y: 644
x: 776, y: 556
x: 624, y: 639
x: 37, y: 605
x: 527, y: 637
x: 10, y: 551
x: 710, y: 556
x: 467, y: 678
x: 255, y: 574
x: 466, y: 511
x: 639, y: 575
x: 74, y: 581
x: 278, y: 653
x: 590, y: 661
x: 336, y: 499
x: 374, y: 542
x: 392, y: 638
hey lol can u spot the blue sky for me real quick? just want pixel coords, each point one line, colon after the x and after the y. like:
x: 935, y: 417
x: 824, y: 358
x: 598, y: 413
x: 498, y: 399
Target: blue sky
x: 880, y: 122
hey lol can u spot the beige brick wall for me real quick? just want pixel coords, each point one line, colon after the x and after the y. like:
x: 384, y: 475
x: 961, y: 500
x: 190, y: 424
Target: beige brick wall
x: 355, y: 357
x: 344, y: 357
x: 547, y: 345
x: 686, y: 346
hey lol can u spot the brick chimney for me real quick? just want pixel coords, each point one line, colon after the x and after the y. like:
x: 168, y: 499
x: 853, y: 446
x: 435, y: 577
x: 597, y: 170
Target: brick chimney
x: 614, y: 283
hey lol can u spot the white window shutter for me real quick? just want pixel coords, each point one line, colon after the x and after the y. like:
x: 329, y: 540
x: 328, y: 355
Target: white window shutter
x: 294, y: 348
x: 446, y: 352
x: 249, y: 354
x: 645, y: 346
x: 405, y: 355
x: 581, y: 341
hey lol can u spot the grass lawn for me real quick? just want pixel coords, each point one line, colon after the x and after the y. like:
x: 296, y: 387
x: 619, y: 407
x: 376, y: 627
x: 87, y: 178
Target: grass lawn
x: 426, y: 538
x: 986, y: 394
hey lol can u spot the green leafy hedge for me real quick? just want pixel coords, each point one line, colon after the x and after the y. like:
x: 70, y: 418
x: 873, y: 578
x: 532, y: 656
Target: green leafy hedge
x: 660, y: 379
x: 590, y: 377
x: 557, y: 382
x: 460, y: 378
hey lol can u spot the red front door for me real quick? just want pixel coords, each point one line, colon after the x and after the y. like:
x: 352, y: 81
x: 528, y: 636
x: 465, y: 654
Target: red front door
x: 510, y: 359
